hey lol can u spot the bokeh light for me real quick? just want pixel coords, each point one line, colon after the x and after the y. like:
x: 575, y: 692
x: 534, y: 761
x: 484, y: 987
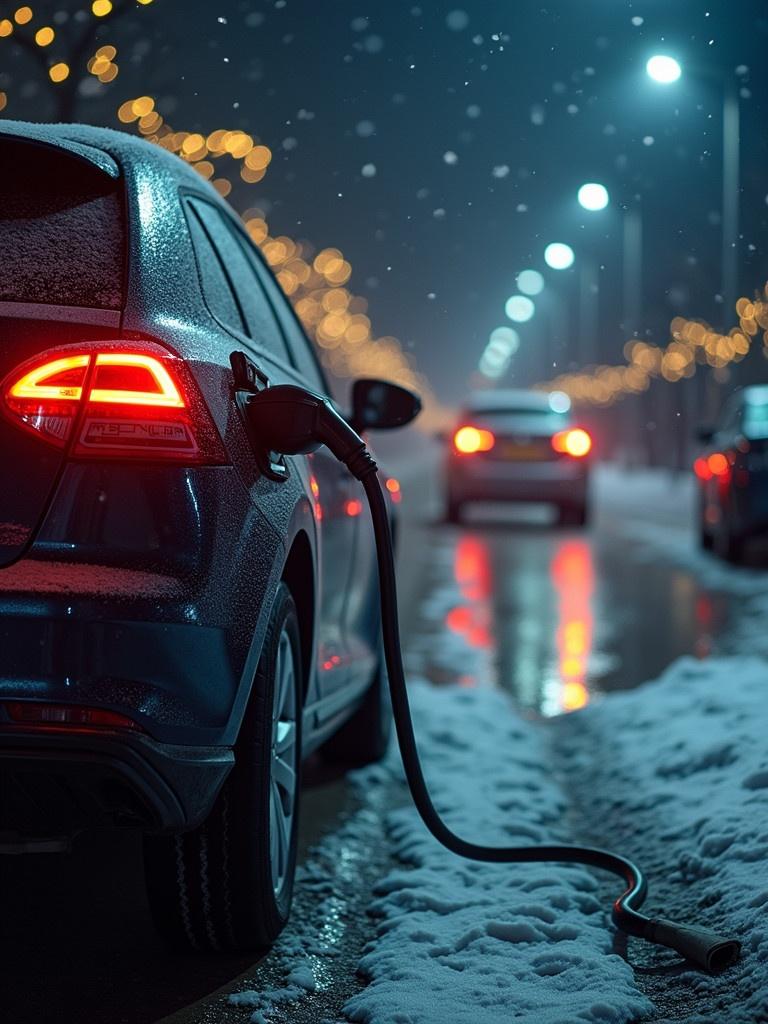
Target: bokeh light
x: 559, y: 256
x: 663, y: 69
x: 559, y: 401
x: 519, y: 308
x: 593, y: 196
x: 530, y: 282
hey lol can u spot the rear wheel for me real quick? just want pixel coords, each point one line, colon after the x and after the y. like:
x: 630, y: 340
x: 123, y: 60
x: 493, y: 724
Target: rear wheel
x: 573, y: 514
x: 452, y: 510
x: 227, y: 885
x: 728, y: 544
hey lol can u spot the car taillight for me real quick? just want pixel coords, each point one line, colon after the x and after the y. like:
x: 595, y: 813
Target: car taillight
x: 576, y: 442
x: 718, y: 464
x: 66, y: 716
x: 115, y: 403
x: 702, y: 470
x: 468, y: 440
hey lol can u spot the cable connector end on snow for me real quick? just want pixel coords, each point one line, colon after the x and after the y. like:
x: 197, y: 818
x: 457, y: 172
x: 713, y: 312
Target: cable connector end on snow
x: 700, y: 946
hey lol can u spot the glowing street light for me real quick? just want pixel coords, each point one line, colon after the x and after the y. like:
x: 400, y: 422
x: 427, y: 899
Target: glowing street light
x: 559, y: 256
x: 519, y: 308
x: 502, y: 345
x: 530, y: 282
x: 663, y: 69
x: 593, y: 196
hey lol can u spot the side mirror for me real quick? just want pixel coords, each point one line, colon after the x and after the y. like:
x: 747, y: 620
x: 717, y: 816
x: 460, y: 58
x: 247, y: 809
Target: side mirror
x: 379, y: 405
x: 705, y: 434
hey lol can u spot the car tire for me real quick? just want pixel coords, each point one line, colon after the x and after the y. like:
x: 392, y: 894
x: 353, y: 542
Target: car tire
x: 452, y: 510
x: 573, y: 514
x: 227, y: 885
x: 728, y: 546
x: 364, y: 738
x: 706, y: 540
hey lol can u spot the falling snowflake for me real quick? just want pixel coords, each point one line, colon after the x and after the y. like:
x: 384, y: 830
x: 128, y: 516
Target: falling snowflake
x: 439, y: 213
x: 500, y: 171
x: 537, y: 114
x: 450, y: 157
x: 457, y: 20
x: 359, y: 24
x: 473, y: 110
x: 648, y: 140
x: 365, y: 129
x: 368, y: 170
x: 521, y: 208
x: 637, y: 21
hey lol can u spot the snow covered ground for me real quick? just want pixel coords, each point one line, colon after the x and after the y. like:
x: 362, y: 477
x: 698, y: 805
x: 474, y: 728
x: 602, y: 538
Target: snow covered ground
x: 673, y: 774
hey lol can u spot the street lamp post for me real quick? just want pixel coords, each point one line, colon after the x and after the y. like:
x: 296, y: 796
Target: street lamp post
x: 665, y: 70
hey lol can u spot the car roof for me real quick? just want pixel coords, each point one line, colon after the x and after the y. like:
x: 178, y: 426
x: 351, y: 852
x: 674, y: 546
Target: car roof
x: 109, y: 150
x: 511, y: 399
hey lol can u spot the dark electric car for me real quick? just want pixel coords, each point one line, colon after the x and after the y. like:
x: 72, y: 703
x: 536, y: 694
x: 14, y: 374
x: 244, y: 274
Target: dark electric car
x: 514, y: 445
x: 732, y: 475
x: 180, y: 623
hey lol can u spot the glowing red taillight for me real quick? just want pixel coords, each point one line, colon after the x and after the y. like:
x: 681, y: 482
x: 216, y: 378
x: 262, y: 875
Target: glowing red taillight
x: 113, y: 402
x: 36, y: 714
x: 468, y: 440
x: 576, y: 442
x: 702, y: 470
x: 718, y: 464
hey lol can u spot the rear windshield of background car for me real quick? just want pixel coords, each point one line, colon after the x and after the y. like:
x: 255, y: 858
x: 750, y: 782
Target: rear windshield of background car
x: 62, y: 234
x: 756, y: 421
x: 515, y: 411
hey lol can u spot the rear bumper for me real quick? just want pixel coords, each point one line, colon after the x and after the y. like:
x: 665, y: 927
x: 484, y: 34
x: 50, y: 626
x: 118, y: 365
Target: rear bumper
x: 478, y: 479
x: 54, y: 785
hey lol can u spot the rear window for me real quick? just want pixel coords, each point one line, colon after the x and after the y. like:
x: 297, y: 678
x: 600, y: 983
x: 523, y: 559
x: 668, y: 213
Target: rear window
x: 62, y: 235
x: 756, y: 421
x: 511, y: 411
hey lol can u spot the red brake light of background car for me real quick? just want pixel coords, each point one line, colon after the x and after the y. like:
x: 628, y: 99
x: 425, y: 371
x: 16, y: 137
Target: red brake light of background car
x: 123, y: 404
x: 468, y: 440
x: 576, y: 442
x: 718, y: 464
x: 702, y: 470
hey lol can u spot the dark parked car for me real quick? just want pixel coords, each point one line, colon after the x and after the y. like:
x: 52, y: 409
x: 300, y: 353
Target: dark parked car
x: 513, y: 445
x: 732, y: 474
x: 179, y: 623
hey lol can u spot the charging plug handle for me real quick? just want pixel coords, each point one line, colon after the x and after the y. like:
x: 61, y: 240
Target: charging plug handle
x: 293, y: 421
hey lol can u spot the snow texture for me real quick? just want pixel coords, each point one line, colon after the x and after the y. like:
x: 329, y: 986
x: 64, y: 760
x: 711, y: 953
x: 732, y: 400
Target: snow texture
x: 477, y: 943
x: 683, y: 763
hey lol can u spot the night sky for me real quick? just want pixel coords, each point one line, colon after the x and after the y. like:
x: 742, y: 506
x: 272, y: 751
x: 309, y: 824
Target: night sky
x: 440, y: 146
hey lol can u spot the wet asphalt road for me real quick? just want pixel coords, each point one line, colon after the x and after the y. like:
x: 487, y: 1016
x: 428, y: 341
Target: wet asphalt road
x: 556, y: 616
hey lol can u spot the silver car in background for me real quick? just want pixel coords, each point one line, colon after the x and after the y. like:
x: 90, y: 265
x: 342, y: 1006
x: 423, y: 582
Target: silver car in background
x: 519, y: 446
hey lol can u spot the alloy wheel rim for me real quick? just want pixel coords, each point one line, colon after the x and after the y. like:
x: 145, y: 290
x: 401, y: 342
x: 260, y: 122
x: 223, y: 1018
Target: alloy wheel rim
x: 283, y: 762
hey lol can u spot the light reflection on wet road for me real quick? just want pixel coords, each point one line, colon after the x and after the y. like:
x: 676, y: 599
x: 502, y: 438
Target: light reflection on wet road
x: 554, y: 615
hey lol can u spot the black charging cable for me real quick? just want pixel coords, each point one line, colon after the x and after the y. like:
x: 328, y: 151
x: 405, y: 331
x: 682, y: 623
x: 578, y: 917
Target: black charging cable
x: 293, y: 421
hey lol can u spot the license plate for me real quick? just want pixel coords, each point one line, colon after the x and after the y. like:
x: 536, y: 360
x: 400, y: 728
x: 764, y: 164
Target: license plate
x: 521, y: 452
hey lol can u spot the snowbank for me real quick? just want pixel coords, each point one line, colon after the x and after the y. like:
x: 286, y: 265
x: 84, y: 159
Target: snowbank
x: 677, y: 772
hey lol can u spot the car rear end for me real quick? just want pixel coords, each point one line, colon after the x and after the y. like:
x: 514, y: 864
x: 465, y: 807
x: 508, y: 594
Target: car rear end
x: 518, y: 446
x: 118, y: 602
x: 733, y: 476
